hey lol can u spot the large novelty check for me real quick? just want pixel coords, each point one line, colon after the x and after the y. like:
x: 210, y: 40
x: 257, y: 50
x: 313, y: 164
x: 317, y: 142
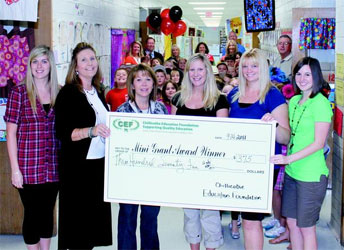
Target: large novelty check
x: 189, y: 162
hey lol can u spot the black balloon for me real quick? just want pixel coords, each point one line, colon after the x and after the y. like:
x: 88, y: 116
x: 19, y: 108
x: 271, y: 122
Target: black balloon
x: 176, y: 13
x: 154, y: 20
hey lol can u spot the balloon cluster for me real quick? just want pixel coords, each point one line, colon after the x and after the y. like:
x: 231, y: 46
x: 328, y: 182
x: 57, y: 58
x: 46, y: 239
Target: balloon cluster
x: 169, y: 21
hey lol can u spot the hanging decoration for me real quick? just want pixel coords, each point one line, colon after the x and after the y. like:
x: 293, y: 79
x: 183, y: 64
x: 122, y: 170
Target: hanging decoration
x: 169, y: 21
x: 179, y: 29
x: 259, y: 15
x: 176, y: 13
x: 167, y: 26
x: 317, y: 33
x: 14, y: 53
x: 154, y: 20
x: 165, y: 13
x: 15, y: 10
x: 120, y: 44
x: 9, y: 2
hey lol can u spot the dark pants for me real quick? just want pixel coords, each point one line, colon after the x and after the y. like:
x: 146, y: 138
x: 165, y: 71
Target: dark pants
x: 127, y: 223
x: 39, y: 202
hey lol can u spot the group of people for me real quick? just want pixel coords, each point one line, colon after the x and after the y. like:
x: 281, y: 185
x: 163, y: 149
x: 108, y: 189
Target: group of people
x: 56, y: 144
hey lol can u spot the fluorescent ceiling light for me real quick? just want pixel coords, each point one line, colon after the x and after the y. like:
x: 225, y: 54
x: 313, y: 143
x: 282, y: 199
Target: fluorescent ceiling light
x: 203, y: 3
x: 209, y: 8
x: 214, y: 13
x: 215, y: 17
x: 212, y: 24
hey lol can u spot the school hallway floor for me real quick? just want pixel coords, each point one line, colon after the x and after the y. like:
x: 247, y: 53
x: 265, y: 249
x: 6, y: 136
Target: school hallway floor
x: 172, y: 237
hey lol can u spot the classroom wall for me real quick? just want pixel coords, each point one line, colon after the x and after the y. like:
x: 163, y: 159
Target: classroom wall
x: 212, y: 39
x: 337, y: 158
x: 284, y: 8
x: 91, y: 21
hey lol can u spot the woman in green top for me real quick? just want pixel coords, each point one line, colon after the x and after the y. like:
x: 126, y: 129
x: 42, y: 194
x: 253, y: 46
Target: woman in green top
x: 306, y: 171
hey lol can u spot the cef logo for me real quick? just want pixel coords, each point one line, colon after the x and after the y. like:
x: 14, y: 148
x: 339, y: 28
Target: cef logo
x: 125, y: 125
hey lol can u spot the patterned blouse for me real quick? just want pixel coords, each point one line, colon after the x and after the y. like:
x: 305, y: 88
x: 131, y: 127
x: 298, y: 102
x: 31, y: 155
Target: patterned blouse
x: 36, y: 138
x: 154, y: 108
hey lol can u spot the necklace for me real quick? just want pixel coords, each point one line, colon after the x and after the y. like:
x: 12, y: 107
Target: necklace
x: 293, y: 130
x: 91, y: 92
x: 140, y: 111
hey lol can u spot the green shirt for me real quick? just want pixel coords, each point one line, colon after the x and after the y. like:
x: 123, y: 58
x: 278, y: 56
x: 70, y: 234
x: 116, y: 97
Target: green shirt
x: 302, y: 119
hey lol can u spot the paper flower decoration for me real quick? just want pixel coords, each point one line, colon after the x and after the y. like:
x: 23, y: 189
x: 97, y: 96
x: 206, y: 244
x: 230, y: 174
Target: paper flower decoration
x: 277, y: 75
x: 288, y: 91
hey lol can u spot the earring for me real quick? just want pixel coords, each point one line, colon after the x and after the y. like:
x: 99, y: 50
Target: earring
x: 77, y: 72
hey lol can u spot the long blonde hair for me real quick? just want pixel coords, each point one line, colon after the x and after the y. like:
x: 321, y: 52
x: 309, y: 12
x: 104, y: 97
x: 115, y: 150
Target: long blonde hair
x: 211, y: 93
x: 31, y: 89
x: 258, y: 57
x: 132, y: 47
x: 231, y: 42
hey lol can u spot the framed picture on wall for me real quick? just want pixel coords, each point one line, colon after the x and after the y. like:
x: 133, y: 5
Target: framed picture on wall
x: 259, y: 15
x: 192, y: 31
x: 199, y: 33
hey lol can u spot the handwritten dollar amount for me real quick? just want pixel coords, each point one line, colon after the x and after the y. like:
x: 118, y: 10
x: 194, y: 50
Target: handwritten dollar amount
x: 249, y: 158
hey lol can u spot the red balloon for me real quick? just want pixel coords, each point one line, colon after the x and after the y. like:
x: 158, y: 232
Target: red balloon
x: 167, y: 26
x: 180, y: 28
x: 165, y: 13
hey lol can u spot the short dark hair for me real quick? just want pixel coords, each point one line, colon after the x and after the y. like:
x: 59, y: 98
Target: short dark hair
x: 222, y: 63
x: 238, y: 53
x: 318, y: 79
x: 230, y: 57
x: 150, y: 38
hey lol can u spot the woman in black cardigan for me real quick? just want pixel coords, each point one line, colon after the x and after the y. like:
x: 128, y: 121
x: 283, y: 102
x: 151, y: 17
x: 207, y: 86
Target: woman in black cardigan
x: 84, y: 218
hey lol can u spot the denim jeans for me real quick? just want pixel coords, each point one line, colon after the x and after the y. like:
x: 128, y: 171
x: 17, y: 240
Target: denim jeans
x: 127, y: 223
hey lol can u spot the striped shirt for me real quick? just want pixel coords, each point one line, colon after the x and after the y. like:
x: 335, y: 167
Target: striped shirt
x: 36, y: 138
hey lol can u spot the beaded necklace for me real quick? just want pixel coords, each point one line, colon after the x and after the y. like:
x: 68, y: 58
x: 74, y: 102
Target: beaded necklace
x: 293, y: 130
x: 91, y: 92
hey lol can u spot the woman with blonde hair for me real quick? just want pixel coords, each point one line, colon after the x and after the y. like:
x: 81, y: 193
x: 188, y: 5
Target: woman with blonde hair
x: 231, y: 49
x: 175, y: 52
x: 256, y: 98
x: 32, y: 146
x: 135, y: 54
x: 84, y: 217
x: 199, y: 96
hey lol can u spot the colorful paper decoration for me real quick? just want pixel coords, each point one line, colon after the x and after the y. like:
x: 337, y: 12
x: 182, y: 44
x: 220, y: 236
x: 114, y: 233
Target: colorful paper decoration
x: 317, y: 33
x: 259, y: 15
x: 9, y: 2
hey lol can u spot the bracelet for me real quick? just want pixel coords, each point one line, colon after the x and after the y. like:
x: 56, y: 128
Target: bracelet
x: 90, y: 134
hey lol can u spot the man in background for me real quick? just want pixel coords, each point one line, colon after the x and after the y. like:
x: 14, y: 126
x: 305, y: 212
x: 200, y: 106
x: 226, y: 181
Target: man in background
x: 285, y: 61
x: 149, y: 50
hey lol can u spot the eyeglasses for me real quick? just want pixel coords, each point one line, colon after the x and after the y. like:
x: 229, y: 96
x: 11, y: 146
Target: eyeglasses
x: 285, y: 44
